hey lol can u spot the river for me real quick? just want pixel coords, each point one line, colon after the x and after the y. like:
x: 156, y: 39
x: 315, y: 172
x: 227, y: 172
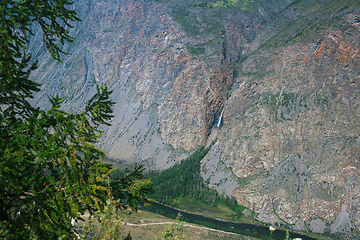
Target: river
x: 235, y: 227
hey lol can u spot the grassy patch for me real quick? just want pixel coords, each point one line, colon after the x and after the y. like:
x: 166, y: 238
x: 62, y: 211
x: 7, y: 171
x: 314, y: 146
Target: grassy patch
x: 247, y: 180
x: 198, y: 24
x: 196, y: 50
x: 313, y: 19
x: 188, y: 22
x: 195, y: 206
x: 240, y: 5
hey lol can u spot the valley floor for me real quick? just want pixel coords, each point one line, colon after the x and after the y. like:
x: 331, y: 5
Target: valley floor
x: 145, y: 225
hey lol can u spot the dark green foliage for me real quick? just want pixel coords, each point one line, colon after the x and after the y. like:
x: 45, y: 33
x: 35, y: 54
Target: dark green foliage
x: 50, y: 169
x: 239, y: 209
x: 130, y: 187
x: 184, y: 180
x: 188, y: 22
x: 196, y: 50
x: 128, y: 237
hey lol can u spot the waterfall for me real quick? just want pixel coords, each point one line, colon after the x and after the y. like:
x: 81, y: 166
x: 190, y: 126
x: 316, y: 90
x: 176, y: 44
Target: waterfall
x: 219, y: 120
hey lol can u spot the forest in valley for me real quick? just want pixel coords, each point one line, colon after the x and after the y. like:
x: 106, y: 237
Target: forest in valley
x: 184, y: 181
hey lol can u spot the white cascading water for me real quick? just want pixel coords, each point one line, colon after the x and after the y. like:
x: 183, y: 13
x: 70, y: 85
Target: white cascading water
x: 219, y: 120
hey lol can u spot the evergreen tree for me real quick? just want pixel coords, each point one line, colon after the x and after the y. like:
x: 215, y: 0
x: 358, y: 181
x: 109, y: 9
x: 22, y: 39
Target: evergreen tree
x: 50, y: 169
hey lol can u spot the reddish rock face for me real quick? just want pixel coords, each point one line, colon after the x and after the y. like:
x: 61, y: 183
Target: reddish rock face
x: 285, y: 77
x: 297, y: 132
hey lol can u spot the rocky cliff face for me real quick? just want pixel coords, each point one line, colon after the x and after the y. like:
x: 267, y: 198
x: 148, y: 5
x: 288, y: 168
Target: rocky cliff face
x: 295, y: 140
x: 298, y: 133
x: 284, y: 75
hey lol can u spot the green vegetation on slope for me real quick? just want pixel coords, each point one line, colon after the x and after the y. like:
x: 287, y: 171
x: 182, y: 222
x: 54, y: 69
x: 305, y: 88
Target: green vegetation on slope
x: 197, y: 24
x: 287, y: 106
x: 242, y: 5
x: 306, y: 20
x: 183, y: 183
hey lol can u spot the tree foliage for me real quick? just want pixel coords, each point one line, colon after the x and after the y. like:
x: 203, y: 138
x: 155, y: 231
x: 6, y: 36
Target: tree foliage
x: 50, y: 168
x: 128, y: 189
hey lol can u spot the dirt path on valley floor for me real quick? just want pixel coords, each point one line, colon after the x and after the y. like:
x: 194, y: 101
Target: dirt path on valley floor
x: 185, y: 225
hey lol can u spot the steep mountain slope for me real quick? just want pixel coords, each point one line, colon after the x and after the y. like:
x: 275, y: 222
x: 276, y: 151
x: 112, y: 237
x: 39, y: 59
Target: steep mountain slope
x: 292, y: 131
x: 283, y: 75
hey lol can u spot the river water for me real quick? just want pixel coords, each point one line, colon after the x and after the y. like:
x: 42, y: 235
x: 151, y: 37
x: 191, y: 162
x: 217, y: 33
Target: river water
x: 235, y: 227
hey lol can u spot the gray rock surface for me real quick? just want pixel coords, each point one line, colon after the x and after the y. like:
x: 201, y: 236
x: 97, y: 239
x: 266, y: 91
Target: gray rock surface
x: 317, y: 226
x: 216, y: 174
